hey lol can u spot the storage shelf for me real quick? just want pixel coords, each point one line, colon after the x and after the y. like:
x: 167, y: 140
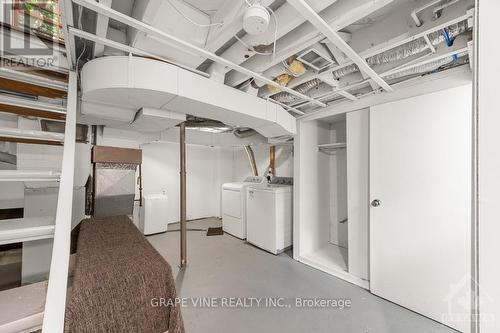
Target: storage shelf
x: 29, y: 176
x: 26, y: 229
x: 330, y: 147
x: 21, y: 309
x: 30, y: 136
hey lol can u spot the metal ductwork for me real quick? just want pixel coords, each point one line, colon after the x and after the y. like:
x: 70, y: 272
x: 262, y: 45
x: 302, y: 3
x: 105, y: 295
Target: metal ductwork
x: 304, y: 88
x: 406, y: 50
x: 426, y: 68
x: 215, y: 126
x: 393, y: 55
x: 243, y: 133
x: 251, y: 160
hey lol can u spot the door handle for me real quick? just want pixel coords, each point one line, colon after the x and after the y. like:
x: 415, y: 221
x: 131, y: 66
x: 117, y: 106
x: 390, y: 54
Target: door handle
x: 376, y: 203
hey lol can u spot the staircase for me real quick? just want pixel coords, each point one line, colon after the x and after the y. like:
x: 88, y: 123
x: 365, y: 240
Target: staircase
x: 29, y: 307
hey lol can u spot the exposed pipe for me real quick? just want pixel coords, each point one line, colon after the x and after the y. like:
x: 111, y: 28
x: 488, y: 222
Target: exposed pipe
x: 437, y: 10
x: 429, y: 67
x: 304, y: 88
x: 251, y: 160
x: 170, y: 39
x: 183, y: 220
x: 272, y: 159
x: 406, y: 50
x: 140, y: 185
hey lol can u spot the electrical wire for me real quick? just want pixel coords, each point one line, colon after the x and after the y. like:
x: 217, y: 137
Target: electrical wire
x: 80, y: 12
x: 193, y: 22
x: 275, y: 31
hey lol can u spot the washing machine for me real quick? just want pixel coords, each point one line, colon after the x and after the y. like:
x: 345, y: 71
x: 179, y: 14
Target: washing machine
x: 270, y: 215
x: 234, y: 206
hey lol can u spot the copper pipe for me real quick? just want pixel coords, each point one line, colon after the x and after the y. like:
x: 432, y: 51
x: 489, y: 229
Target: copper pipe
x: 182, y: 143
x: 272, y: 159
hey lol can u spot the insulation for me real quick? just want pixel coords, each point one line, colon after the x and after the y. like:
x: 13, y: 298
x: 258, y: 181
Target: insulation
x: 393, y: 55
x: 405, y: 51
x: 285, y: 97
x: 426, y: 68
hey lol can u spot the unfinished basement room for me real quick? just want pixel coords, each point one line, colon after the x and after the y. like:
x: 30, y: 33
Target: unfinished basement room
x: 222, y: 166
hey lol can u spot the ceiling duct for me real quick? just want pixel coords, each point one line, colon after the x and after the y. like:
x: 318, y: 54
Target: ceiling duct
x: 243, y: 133
x: 304, y: 88
x: 406, y: 50
x: 393, y: 55
x: 426, y: 68
x: 215, y: 126
x: 207, y: 125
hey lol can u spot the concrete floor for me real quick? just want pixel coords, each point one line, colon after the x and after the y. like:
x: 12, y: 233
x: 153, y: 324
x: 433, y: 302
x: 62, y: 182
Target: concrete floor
x: 224, y: 266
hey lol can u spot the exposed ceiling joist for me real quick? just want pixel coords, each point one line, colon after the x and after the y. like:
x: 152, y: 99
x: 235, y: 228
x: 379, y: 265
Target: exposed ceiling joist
x: 141, y: 26
x: 425, y: 85
x: 66, y: 7
x: 231, y: 13
x: 287, y: 21
x: 125, y: 48
x: 101, y: 29
x: 340, y: 15
x: 305, y: 10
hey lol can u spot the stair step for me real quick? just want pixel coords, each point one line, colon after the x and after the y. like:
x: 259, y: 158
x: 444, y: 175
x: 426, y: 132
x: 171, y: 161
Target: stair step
x: 30, y: 136
x: 29, y: 176
x: 33, y: 108
x: 37, y: 85
x: 26, y: 229
x: 21, y: 309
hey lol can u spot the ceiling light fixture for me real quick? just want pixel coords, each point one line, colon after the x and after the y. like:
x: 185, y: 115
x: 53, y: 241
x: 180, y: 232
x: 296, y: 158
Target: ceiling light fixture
x: 256, y: 19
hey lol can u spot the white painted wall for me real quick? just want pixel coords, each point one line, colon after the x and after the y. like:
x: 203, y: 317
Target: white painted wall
x: 212, y: 159
x: 358, y: 153
x: 312, y: 188
x: 489, y: 167
x: 207, y: 168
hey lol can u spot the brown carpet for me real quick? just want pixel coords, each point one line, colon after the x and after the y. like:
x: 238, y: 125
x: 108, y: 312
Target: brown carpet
x: 118, y: 277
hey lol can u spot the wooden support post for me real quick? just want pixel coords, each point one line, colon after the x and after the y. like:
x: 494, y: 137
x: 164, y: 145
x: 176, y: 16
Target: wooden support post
x: 182, y: 144
x: 272, y: 159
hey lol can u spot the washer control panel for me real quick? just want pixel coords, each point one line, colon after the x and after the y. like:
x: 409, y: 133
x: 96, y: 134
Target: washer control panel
x: 254, y: 179
x: 282, y: 181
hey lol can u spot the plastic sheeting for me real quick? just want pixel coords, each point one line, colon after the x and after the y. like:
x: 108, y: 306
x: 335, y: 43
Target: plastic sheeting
x: 115, y: 189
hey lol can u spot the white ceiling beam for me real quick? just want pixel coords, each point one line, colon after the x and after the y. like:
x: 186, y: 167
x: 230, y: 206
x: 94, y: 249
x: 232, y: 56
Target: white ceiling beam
x: 380, y: 29
x: 340, y: 15
x: 287, y: 21
x: 101, y: 29
x: 305, y: 10
x: 128, y: 49
x: 389, y: 69
x: 66, y: 8
x: 231, y: 13
x: 431, y: 83
x: 394, y: 30
x: 111, y: 13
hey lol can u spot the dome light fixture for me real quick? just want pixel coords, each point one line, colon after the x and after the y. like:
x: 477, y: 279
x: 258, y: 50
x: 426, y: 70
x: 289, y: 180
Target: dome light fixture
x: 256, y: 19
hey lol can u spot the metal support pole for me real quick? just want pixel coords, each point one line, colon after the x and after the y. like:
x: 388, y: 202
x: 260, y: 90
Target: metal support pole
x: 182, y: 143
x: 140, y: 185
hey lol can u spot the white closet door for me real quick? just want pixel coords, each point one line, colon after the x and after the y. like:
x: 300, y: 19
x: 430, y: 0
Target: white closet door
x: 420, y: 170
